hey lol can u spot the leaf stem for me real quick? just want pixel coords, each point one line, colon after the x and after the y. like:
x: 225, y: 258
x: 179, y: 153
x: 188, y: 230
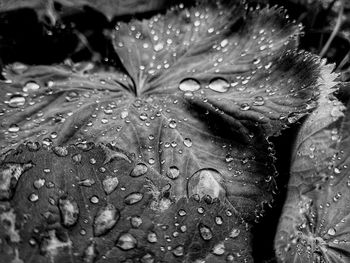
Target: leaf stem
x: 335, y: 30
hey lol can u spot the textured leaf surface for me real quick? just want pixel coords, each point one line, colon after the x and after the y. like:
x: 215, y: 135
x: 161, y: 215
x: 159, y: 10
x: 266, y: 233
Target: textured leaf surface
x: 203, y: 90
x: 314, y: 226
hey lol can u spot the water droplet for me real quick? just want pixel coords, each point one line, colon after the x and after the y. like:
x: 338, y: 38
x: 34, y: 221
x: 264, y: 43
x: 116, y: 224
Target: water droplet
x: 205, y: 232
x: 151, y: 161
x: 224, y: 43
x: 189, y: 85
x: 219, y: 85
x: 33, y: 197
x: 152, y: 237
x: 244, y: 107
x: 158, y: 47
x: 331, y: 231
x: 218, y: 220
x: 173, y: 172
x: 178, y: 251
x: 235, y: 233
x: 31, y: 86
x: 133, y: 198
x: 187, y: 142
x: 143, y: 116
x: 148, y: 258
x: 219, y: 249
x: 206, y: 181
x: 94, y: 199
x: 39, y: 183
x: 13, y: 128
x: 60, y: 151
x: 76, y: 158
x: 172, y: 124
x: 126, y: 242
x: 139, y: 169
x: 110, y: 184
x: 182, y: 212
x: 258, y: 101
x: 135, y: 221
x: 87, y: 182
x: 105, y: 219
x: 69, y: 210
x: 16, y: 101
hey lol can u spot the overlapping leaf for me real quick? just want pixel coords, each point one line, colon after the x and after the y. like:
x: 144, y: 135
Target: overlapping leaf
x: 314, y: 226
x: 203, y: 90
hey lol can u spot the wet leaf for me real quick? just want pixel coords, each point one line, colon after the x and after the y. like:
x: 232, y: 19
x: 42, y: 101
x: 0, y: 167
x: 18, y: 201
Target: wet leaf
x: 203, y: 91
x: 314, y: 226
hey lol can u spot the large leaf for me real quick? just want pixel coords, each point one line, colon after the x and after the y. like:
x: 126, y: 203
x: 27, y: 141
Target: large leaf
x: 314, y: 226
x: 202, y: 92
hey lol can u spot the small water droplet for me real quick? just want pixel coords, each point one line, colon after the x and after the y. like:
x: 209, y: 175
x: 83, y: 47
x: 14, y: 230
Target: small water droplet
x: 60, y: 151
x: 39, y: 183
x: 33, y: 197
x: 173, y: 172
x: 110, y: 184
x: 182, y: 212
x: 126, y: 242
x: 244, y: 107
x: 94, y: 199
x: 187, y: 142
x: 258, y: 101
x: 219, y: 85
x: 205, y: 232
x: 139, y: 169
x: 87, y: 182
x: 331, y: 231
x: 133, y: 198
x: 219, y: 249
x: 135, y: 221
x: 152, y: 237
x: 76, y: 158
x: 143, y: 116
x: 218, y: 220
x: 178, y: 251
x: 189, y: 85
x: 235, y: 233
x: 172, y: 124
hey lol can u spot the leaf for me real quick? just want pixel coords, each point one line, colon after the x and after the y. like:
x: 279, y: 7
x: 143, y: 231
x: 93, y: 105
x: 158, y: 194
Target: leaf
x: 110, y: 8
x: 60, y: 210
x: 314, y: 226
x: 203, y: 91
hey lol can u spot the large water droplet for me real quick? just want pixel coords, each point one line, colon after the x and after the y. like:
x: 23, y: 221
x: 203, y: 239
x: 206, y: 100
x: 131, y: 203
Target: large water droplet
x: 16, y: 101
x: 173, y: 172
x: 219, y: 249
x: 189, y: 85
x: 219, y: 85
x: 139, y: 169
x: 33, y: 197
x: 69, y: 210
x: 205, y: 232
x: 187, y: 142
x: 13, y: 128
x: 206, y: 181
x: 31, y: 86
x: 110, y: 184
x: 126, y: 242
x: 133, y: 198
x: 39, y: 183
x: 105, y: 219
